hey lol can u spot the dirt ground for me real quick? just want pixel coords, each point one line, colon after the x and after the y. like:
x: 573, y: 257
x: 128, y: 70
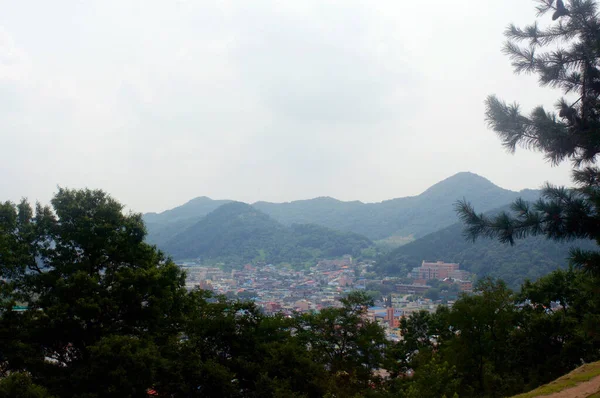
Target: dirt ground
x: 582, y: 390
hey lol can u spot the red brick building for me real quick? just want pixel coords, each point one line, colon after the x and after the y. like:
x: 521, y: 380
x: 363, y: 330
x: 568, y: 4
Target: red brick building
x: 437, y: 270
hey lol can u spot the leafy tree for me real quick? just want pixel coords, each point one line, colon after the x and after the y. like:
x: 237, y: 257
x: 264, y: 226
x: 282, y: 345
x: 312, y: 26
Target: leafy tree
x: 435, y: 283
x: 349, y: 346
x: 108, y: 315
x: 20, y: 385
x: 433, y: 293
x: 100, y: 301
x: 434, y: 379
x: 231, y: 349
x: 567, y: 334
x: 489, y: 343
x: 566, y: 56
x: 482, y: 326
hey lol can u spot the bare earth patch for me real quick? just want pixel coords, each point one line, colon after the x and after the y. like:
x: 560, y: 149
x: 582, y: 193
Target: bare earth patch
x: 586, y: 389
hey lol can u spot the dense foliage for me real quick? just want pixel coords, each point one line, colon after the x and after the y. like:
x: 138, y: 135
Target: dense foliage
x: 88, y: 309
x: 106, y: 315
x: 497, y: 343
x: 530, y: 259
x: 237, y: 233
x: 565, y: 55
x: 96, y: 295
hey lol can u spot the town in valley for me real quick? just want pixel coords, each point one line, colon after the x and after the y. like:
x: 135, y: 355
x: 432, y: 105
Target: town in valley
x: 281, y: 289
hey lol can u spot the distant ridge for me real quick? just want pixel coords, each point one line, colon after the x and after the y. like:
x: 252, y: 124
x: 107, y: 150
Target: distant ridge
x: 414, y: 216
x: 458, y: 183
x: 164, y: 226
x: 199, y: 206
x: 529, y: 258
x: 418, y: 215
x: 237, y: 232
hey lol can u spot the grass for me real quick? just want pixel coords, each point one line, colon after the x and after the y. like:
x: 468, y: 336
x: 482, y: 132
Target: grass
x: 393, y: 242
x: 579, y: 375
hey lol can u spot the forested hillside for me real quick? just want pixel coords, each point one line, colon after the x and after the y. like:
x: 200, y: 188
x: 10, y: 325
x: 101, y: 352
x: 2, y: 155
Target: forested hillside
x: 89, y: 309
x: 398, y: 218
x: 197, y: 207
x: 237, y: 232
x: 416, y: 215
x: 529, y: 258
x: 164, y: 226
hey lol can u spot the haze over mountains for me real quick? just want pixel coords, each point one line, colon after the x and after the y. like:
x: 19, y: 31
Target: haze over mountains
x: 237, y: 232
x: 529, y: 258
x: 323, y: 227
x: 401, y: 217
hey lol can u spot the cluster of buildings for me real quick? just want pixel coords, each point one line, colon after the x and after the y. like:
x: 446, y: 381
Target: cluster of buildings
x: 282, y: 289
x: 286, y: 290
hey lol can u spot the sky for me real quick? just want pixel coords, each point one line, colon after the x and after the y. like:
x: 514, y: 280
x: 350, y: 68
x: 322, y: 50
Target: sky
x: 158, y: 102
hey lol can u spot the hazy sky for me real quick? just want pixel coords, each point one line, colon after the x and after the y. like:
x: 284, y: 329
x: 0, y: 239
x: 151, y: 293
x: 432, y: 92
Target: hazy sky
x: 158, y: 102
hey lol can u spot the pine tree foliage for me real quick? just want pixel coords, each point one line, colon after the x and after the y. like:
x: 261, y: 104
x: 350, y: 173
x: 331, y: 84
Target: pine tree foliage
x: 565, y: 55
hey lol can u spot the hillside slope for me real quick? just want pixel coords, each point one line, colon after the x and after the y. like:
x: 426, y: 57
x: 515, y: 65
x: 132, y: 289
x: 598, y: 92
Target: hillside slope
x: 237, y: 232
x: 529, y: 258
x: 583, y: 382
x: 397, y: 218
x: 415, y: 215
x: 164, y: 226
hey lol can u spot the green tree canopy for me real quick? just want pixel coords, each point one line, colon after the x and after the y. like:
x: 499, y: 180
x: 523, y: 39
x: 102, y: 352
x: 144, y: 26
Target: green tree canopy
x: 566, y: 56
x: 107, y: 315
x: 100, y: 302
x: 496, y: 343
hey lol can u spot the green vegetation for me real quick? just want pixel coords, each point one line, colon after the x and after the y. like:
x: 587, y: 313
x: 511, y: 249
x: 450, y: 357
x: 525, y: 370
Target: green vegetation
x: 106, y: 315
x: 417, y: 215
x: 530, y: 258
x: 497, y: 342
x: 392, y: 221
x: 392, y: 242
x: 20, y: 385
x: 164, y: 226
x: 237, y: 233
x: 565, y: 56
x: 579, y: 375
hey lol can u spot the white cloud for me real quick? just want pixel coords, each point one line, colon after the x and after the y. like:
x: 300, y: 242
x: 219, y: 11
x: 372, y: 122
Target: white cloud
x: 158, y: 102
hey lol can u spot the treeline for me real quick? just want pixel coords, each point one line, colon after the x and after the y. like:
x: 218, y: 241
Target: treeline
x: 498, y: 343
x: 396, y: 219
x: 107, y: 315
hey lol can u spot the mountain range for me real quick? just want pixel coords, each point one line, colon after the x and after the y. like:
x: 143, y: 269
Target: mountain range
x: 529, y: 258
x: 305, y: 230
x: 413, y: 216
